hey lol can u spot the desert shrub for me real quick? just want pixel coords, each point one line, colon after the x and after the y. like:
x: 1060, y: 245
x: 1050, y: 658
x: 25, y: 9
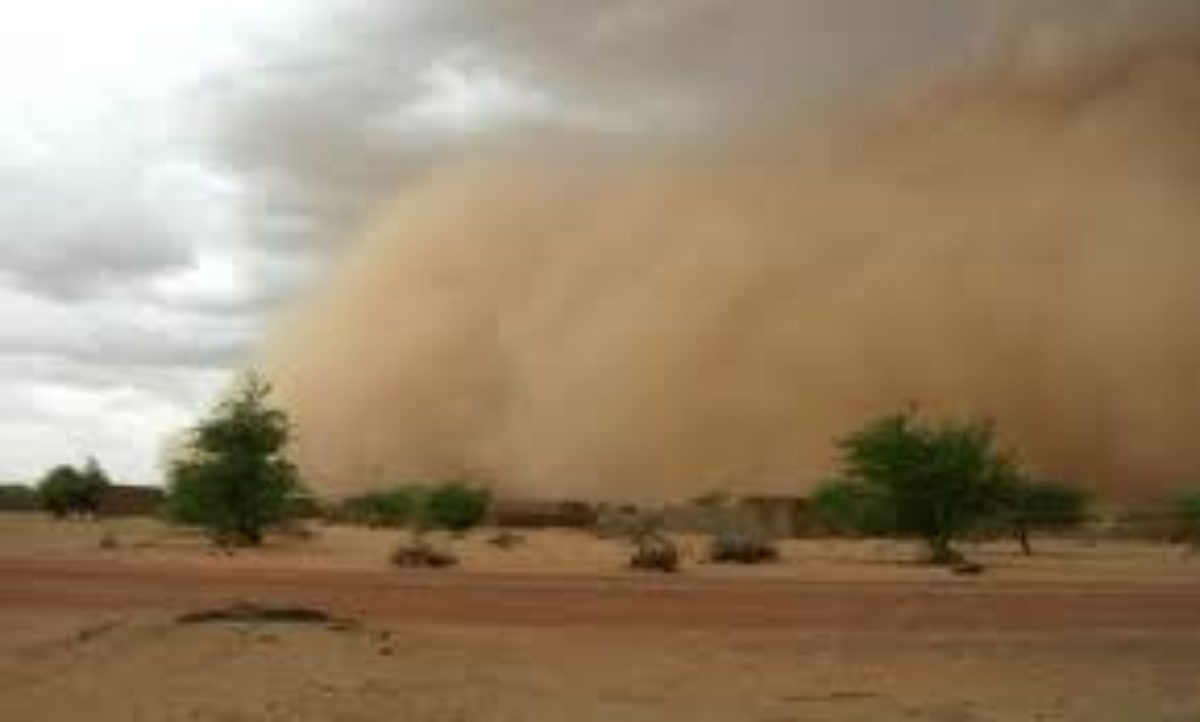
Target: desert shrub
x: 416, y: 551
x: 1043, y: 505
x: 456, y: 506
x: 233, y: 478
x: 939, y: 479
x: 66, y: 490
x: 453, y: 506
x: 655, y: 552
x: 736, y: 546
x: 395, y: 507
x: 652, y: 549
x: 853, y: 509
x: 1187, y: 512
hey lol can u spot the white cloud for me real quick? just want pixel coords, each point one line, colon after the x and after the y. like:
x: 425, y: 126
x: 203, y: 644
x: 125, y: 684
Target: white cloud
x: 462, y: 98
x: 115, y: 292
x: 57, y: 411
x: 170, y: 170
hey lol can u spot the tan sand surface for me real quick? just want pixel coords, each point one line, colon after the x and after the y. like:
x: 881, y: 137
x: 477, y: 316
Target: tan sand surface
x: 556, y: 630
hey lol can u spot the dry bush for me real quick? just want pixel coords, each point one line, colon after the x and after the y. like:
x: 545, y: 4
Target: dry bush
x: 741, y: 547
x: 655, y: 552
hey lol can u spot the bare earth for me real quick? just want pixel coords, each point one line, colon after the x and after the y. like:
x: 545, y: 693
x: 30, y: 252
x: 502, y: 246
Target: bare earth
x: 555, y: 629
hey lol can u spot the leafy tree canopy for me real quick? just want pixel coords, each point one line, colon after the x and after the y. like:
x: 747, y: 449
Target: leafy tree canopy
x: 66, y: 490
x: 233, y: 477
x: 939, y: 479
x: 456, y: 506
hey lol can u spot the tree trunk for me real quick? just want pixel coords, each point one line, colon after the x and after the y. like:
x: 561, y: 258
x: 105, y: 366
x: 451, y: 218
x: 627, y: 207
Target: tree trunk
x: 1023, y: 537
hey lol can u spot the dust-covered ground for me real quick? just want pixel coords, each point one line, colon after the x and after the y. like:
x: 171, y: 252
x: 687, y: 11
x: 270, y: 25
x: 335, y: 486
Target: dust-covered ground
x: 556, y: 629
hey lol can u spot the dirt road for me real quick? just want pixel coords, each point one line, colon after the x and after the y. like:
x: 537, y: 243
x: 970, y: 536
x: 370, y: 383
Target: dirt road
x: 679, y: 602
x: 89, y: 632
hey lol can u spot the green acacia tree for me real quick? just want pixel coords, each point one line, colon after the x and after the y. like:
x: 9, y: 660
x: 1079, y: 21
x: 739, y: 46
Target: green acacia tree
x: 939, y: 479
x: 233, y: 477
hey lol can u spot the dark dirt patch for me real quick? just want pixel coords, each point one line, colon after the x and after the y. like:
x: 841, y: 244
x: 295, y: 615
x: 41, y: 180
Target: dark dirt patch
x: 252, y: 612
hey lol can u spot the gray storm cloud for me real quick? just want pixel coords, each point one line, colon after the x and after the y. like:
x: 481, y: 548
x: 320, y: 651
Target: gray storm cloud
x: 643, y: 317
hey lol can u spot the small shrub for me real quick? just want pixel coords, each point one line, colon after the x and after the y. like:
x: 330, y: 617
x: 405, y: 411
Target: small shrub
x: 655, y: 552
x: 456, y: 506
x: 453, y: 506
x: 417, y: 552
x: 391, y: 508
x: 741, y: 547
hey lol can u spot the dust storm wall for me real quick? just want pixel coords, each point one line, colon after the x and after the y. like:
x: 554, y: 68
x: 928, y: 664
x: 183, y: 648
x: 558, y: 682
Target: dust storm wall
x: 574, y: 320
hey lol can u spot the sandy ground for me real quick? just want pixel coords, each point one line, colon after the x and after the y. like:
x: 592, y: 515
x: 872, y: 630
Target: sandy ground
x: 555, y: 629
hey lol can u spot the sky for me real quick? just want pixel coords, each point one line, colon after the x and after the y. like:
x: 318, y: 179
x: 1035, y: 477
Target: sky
x: 172, y: 174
